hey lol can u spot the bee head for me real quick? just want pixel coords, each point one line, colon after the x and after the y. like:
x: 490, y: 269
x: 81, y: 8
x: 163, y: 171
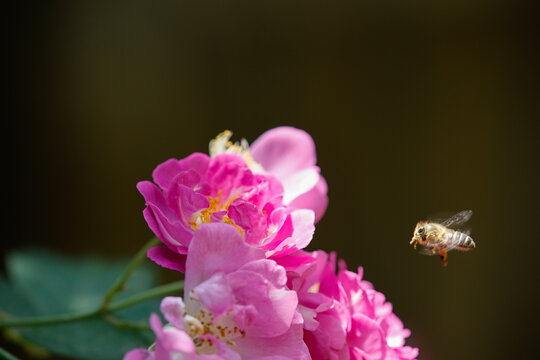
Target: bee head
x: 420, y: 231
x: 419, y: 234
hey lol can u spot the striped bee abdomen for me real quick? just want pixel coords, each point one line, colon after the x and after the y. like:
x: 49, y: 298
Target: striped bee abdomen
x: 460, y: 240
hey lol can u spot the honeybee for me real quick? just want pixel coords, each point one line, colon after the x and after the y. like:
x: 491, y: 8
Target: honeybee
x: 439, y: 238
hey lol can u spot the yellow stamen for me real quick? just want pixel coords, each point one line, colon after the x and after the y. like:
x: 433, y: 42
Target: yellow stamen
x: 216, y: 205
x: 221, y: 144
x: 314, y: 288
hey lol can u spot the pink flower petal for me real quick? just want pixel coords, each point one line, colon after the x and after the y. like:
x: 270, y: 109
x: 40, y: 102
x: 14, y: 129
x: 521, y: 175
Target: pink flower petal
x: 223, y: 351
x: 173, y: 309
x: 248, y: 217
x: 216, y: 294
x: 292, y: 261
x: 229, y: 175
x: 275, y: 307
x: 165, y: 172
x: 289, y: 154
x: 284, y: 150
x: 274, y: 274
x: 185, y: 201
x: 299, y: 183
x: 216, y: 247
x: 139, y: 354
x: 161, y: 255
x: 288, y: 346
x: 300, y: 223
x: 328, y: 339
x: 315, y: 199
x: 196, y: 161
x: 170, y: 339
x: 161, y: 219
x: 367, y: 338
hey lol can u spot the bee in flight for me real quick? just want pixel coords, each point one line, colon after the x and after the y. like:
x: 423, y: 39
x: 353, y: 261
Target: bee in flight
x: 439, y: 238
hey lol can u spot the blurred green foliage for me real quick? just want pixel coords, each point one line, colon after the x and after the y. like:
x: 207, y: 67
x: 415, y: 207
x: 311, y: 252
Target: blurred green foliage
x: 43, y: 283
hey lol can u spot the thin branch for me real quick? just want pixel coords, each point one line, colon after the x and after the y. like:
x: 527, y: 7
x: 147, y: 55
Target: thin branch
x: 48, y: 319
x: 70, y: 317
x: 121, y: 280
x: 148, y: 294
x: 126, y: 324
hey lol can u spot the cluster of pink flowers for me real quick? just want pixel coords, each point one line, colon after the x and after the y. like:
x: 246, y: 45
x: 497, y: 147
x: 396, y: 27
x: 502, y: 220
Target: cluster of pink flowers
x: 236, y: 222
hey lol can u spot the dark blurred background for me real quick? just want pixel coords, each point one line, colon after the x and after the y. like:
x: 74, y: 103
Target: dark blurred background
x: 415, y: 107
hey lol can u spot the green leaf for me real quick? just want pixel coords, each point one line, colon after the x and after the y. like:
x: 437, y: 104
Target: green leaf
x: 12, y: 302
x: 42, y: 283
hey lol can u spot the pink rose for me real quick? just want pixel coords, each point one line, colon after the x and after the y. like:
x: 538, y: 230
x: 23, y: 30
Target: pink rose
x: 236, y: 305
x: 344, y: 317
x: 271, y: 193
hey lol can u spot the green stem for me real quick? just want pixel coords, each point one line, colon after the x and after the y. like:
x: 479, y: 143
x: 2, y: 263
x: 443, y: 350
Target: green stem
x: 5, y: 355
x: 126, y: 324
x: 122, y: 304
x: 49, y: 319
x: 145, y: 295
x: 121, y: 280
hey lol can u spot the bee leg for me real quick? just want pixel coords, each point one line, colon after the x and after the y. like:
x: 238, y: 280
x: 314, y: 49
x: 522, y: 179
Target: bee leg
x: 443, y: 255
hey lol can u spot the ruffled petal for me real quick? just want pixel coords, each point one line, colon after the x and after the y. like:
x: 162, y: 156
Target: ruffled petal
x: 292, y: 261
x: 161, y: 219
x: 274, y: 274
x: 284, y: 150
x: 248, y: 217
x: 300, y: 227
x: 139, y: 354
x: 288, y: 346
x: 275, y: 307
x: 366, y: 338
x: 170, y: 339
x: 161, y: 255
x: 315, y: 199
x: 165, y: 172
x: 186, y: 202
x: 173, y: 308
x: 215, y: 294
x: 299, y: 183
x: 229, y: 176
x: 196, y: 161
x: 216, y: 247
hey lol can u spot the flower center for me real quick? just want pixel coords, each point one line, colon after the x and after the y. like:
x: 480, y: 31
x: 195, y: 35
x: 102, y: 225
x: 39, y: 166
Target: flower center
x: 202, y: 323
x: 216, y: 211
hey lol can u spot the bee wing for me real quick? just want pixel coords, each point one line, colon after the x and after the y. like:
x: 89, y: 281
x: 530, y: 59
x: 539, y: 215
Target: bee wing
x: 458, y: 219
x: 426, y: 250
